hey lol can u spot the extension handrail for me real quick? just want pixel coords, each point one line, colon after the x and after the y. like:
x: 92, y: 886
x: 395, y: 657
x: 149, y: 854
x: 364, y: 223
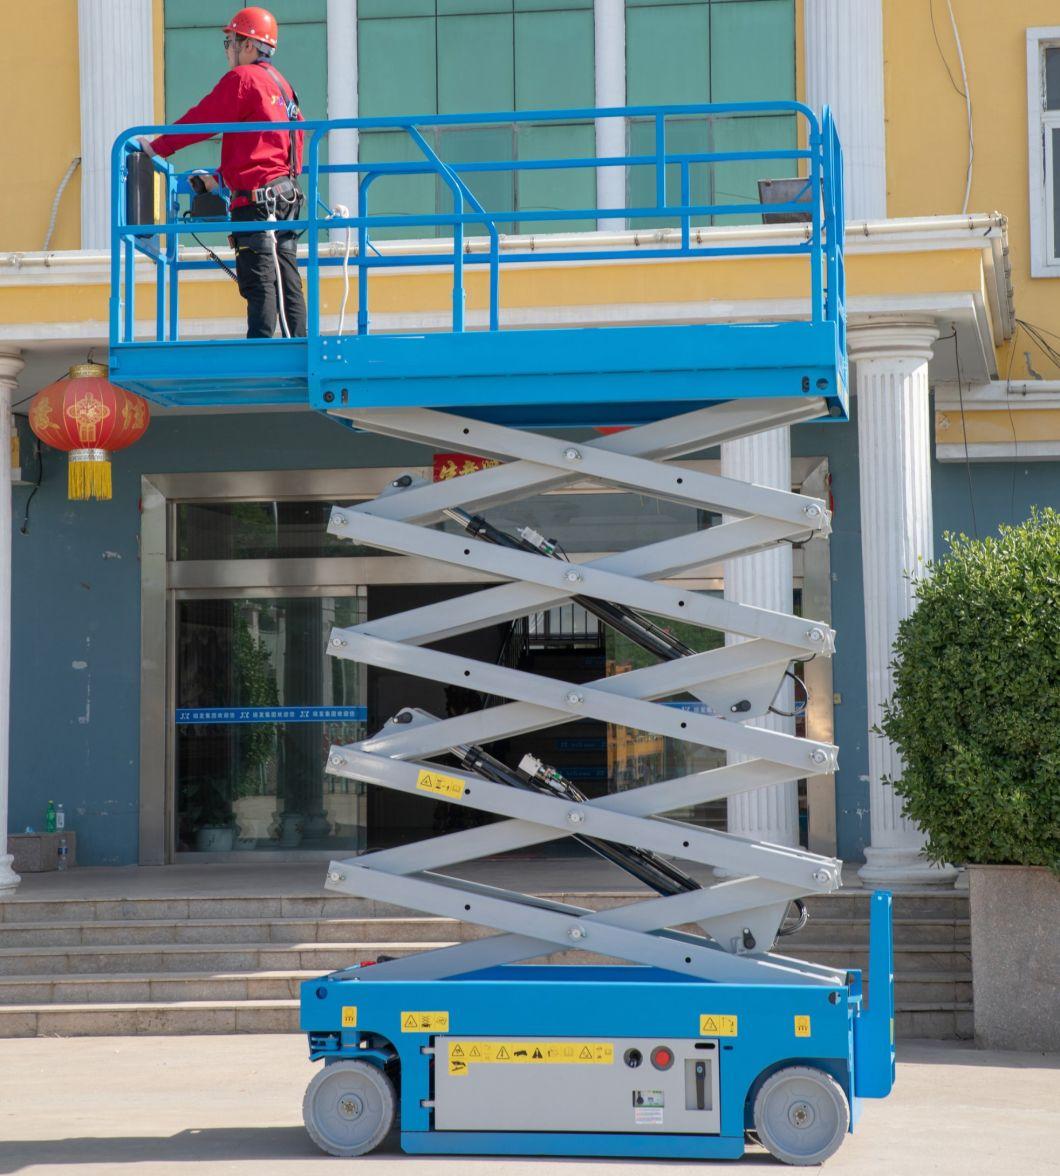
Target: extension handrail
x: 819, y: 161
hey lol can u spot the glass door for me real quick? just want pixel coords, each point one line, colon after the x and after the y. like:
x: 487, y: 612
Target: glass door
x: 258, y: 704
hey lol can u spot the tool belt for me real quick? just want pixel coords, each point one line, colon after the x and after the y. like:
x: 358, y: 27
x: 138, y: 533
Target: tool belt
x: 283, y: 188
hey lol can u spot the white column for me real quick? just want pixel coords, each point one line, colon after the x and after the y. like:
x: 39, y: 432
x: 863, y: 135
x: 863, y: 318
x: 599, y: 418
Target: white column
x: 897, y: 540
x: 116, y: 56
x: 10, y: 366
x: 610, y: 30
x: 844, y: 69
x: 342, y: 101
x: 764, y: 580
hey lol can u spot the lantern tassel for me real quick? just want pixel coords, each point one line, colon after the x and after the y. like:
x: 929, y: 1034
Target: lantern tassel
x: 88, y: 477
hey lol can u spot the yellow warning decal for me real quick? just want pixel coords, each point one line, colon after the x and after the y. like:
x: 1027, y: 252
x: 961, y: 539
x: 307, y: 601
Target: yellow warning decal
x: 349, y: 1016
x: 424, y: 1022
x: 717, y: 1025
x: 802, y: 1026
x: 440, y: 784
x: 535, y: 1053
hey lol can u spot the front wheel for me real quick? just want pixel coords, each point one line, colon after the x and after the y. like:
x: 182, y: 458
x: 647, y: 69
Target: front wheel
x: 801, y: 1115
x: 348, y: 1108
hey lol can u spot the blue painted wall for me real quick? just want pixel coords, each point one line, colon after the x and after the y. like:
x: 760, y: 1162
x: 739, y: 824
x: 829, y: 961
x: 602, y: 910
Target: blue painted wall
x: 76, y: 603
x: 76, y: 612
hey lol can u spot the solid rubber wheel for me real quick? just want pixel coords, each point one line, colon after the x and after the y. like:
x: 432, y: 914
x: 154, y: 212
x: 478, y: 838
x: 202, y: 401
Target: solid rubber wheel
x: 349, y: 1108
x: 801, y: 1115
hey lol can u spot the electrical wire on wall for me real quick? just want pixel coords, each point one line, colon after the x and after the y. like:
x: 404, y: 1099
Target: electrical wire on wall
x: 962, y: 90
x: 74, y: 164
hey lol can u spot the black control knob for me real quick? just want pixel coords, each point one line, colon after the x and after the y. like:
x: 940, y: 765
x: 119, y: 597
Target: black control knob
x: 633, y: 1058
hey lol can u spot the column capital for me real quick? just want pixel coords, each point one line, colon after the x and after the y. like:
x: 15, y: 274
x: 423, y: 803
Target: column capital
x: 891, y: 337
x: 11, y: 363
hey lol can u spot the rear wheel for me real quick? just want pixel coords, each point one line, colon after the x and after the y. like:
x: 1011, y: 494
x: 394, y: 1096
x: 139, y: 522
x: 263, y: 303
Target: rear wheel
x: 801, y: 1115
x: 348, y: 1108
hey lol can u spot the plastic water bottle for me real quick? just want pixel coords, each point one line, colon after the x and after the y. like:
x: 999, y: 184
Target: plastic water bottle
x: 49, y: 817
x: 60, y: 818
x: 63, y: 852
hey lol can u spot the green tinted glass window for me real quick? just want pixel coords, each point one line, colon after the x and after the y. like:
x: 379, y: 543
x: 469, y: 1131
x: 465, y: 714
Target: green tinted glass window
x: 752, y: 51
x: 386, y: 89
x: 470, y: 56
x: 668, y: 54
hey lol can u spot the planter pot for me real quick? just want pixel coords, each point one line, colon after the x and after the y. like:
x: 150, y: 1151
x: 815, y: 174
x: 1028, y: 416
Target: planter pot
x: 1015, y: 916
x: 215, y: 839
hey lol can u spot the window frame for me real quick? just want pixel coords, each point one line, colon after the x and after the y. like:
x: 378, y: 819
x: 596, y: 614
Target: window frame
x: 1040, y: 125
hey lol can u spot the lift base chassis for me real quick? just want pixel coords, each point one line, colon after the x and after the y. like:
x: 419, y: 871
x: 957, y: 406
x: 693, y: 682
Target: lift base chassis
x: 599, y: 1060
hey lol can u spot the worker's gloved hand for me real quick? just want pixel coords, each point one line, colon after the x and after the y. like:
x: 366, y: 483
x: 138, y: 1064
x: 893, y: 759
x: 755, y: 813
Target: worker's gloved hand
x: 209, y: 182
x: 145, y: 145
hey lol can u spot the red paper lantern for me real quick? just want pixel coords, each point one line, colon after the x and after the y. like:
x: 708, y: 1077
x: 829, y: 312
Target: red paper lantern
x: 88, y: 417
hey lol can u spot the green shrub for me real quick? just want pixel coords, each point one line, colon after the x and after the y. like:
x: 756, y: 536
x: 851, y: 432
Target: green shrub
x: 976, y: 705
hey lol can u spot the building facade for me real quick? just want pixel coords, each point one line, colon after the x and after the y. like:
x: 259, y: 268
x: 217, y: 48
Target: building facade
x: 168, y: 681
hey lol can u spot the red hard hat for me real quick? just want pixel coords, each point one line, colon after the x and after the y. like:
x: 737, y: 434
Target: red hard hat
x: 257, y: 23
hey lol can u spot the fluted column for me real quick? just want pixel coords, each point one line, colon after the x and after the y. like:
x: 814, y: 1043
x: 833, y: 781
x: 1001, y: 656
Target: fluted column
x: 116, y: 58
x: 609, y: 17
x: 844, y: 68
x: 764, y: 580
x: 894, y: 459
x: 342, y: 102
x: 10, y: 365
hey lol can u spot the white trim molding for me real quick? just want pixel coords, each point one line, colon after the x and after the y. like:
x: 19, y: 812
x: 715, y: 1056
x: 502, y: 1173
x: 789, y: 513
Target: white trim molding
x: 11, y: 364
x: 1040, y: 123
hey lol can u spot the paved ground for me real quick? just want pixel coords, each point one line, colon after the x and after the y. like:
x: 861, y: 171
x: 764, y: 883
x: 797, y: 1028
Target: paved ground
x: 101, y: 1106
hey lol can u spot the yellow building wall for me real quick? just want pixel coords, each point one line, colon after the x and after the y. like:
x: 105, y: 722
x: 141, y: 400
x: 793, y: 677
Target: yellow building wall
x: 927, y: 134
x: 42, y: 134
x: 42, y: 128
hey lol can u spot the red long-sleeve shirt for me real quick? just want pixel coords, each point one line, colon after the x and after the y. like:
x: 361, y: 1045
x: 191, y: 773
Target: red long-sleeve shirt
x: 247, y: 93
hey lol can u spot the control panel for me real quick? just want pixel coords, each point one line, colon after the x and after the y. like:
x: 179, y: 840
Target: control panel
x: 656, y: 1085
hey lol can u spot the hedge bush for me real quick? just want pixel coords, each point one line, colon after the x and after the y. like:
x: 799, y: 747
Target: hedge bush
x: 976, y: 705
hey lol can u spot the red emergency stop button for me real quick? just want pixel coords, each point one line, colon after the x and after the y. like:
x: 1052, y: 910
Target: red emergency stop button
x: 662, y: 1058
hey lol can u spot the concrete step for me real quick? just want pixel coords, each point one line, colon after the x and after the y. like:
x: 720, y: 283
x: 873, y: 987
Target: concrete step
x: 844, y: 904
x: 105, y: 932
x: 123, y: 1019
x: 148, y: 987
x: 203, y: 957
x: 824, y: 931
x: 151, y: 987
x: 946, y: 1021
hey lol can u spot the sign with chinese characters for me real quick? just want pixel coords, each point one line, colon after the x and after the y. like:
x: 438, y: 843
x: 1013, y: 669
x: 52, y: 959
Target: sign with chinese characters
x: 454, y: 465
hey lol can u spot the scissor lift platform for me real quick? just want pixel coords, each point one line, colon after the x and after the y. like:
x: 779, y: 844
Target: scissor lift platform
x: 530, y: 376
x: 696, y: 1036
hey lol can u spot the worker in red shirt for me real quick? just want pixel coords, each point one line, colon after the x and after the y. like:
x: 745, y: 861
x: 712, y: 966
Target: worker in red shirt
x: 260, y: 168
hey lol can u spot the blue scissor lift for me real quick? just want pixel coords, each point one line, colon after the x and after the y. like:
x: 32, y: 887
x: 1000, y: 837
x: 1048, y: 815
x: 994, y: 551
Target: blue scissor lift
x: 693, y: 1040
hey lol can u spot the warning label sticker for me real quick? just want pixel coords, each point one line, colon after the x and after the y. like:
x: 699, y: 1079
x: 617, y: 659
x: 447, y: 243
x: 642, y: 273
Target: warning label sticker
x: 717, y: 1025
x: 643, y: 1116
x: 349, y: 1016
x: 802, y: 1026
x: 440, y: 784
x: 424, y: 1022
x: 563, y: 1053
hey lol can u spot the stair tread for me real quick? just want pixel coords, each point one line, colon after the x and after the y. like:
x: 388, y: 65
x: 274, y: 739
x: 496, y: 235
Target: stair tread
x: 162, y: 977
x: 279, y: 920
x: 152, y: 1006
x: 144, y: 948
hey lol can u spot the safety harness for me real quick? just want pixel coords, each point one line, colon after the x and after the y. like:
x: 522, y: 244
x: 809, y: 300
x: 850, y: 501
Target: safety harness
x: 266, y: 194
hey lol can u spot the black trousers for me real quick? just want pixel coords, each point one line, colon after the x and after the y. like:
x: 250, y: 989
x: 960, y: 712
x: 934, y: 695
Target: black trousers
x: 256, y: 269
